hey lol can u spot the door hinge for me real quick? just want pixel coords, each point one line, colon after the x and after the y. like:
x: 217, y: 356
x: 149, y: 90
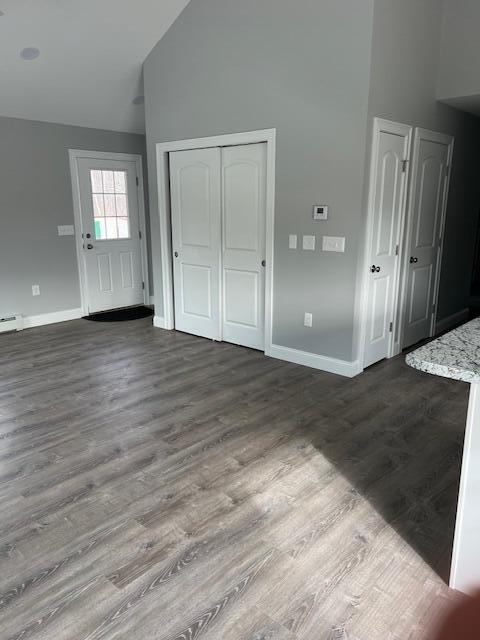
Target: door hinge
x: 390, y: 328
x: 396, y: 249
x: 433, y: 306
x: 404, y: 166
x: 136, y: 180
x: 143, y: 285
x: 140, y: 234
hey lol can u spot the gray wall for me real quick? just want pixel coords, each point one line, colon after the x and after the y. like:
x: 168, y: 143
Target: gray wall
x: 35, y: 197
x: 406, y: 37
x: 460, y: 49
x: 303, y: 67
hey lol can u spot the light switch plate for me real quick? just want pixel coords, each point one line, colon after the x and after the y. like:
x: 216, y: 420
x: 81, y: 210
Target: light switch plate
x: 292, y: 241
x: 66, y: 230
x: 308, y: 319
x: 320, y: 211
x: 331, y: 243
x: 308, y: 243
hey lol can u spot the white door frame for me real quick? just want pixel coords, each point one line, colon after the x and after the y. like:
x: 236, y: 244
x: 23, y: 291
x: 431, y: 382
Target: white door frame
x: 74, y: 155
x: 441, y: 138
x: 397, y: 128
x: 163, y: 181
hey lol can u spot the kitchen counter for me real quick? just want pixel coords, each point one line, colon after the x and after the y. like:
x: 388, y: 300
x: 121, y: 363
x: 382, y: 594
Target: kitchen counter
x: 456, y: 355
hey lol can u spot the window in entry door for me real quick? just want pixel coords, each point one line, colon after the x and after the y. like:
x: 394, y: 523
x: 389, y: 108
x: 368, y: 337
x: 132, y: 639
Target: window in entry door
x: 110, y: 204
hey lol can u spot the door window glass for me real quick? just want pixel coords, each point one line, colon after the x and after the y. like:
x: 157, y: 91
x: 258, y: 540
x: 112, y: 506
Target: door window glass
x: 110, y: 204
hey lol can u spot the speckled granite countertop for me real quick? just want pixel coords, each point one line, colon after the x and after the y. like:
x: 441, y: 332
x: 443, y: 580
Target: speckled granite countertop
x: 454, y: 355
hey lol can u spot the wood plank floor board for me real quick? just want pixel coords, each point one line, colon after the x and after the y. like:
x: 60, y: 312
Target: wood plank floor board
x: 158, y: 485
x: 39, y: 588
x: 249, y: 623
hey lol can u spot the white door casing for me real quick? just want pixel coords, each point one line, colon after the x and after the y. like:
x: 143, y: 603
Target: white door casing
x: 112, y: 269
x: 196, y: 240
x: 243, y: 244
x: 428, y: 199
x: 387, y: 203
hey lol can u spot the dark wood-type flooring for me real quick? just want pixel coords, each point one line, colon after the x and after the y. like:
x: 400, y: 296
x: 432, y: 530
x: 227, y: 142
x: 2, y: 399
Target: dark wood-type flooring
x: 155, y: 485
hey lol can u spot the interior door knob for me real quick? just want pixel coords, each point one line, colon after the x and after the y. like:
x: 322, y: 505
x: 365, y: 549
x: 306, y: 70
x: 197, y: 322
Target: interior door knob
x: 176, y: 254
x: 412, y: 259
x: 264, y: 263
x: 374, y: 269
x: 89, y: 246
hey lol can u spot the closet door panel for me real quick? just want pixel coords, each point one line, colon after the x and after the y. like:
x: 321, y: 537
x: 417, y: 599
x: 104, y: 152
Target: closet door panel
x: 243, y: 240
x: 196, y: 240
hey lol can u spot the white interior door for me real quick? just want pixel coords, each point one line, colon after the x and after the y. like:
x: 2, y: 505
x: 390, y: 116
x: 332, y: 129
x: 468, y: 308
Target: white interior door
x: 391, y: 147
x: 430, y: 174
x: 196, y: 240
x: 112, y: 252
x: 243, y: 241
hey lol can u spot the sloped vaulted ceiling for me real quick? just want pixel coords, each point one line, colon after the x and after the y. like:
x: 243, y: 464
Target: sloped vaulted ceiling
x: 89, y: 68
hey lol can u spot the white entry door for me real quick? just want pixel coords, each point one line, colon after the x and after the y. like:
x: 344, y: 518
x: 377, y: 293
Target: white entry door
x: 196, y: 240
x: 243, y: 260
x: 391, y: 147
x: 218, y: 200
x: 111, y: 245
x: 429, y: 190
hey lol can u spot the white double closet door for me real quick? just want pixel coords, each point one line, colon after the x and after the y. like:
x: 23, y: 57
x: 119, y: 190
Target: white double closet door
x: 218, y: 200
x: 404, y: 264
x: 387, y: 210
x: 428, y: 202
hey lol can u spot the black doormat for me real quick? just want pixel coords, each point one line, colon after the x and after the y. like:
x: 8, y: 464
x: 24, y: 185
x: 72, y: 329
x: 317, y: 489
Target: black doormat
x: 121, y: 315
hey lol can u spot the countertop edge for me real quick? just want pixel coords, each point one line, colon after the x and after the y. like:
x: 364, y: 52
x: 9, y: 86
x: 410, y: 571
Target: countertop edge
x: 444, y: 371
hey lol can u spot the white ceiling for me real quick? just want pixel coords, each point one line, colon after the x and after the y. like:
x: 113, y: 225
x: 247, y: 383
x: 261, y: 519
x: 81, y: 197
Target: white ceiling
x: 90, y: 64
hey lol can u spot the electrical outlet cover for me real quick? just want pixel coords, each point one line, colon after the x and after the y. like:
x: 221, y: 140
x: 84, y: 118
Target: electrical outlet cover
x: 66, y: 230
x: 331, y: 243
x: 308, y: 243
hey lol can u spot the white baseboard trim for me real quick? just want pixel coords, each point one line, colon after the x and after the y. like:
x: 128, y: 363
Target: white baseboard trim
x: 323, y: 363
x: 51, y: 318
x: 450, y: 321
x: 159, y: 322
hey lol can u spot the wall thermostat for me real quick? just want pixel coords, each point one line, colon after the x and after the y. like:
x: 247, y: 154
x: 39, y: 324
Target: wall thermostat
x: 320, y: 212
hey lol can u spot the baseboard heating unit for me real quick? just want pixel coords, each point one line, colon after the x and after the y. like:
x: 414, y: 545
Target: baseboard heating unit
x: 11, y: 323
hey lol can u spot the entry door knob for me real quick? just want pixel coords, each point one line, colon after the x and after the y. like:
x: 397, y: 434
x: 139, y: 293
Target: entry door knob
x: 374, y: 269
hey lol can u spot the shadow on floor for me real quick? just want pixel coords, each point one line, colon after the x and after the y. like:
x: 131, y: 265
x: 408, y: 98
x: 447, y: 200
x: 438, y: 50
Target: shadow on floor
x: 397, y: 435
